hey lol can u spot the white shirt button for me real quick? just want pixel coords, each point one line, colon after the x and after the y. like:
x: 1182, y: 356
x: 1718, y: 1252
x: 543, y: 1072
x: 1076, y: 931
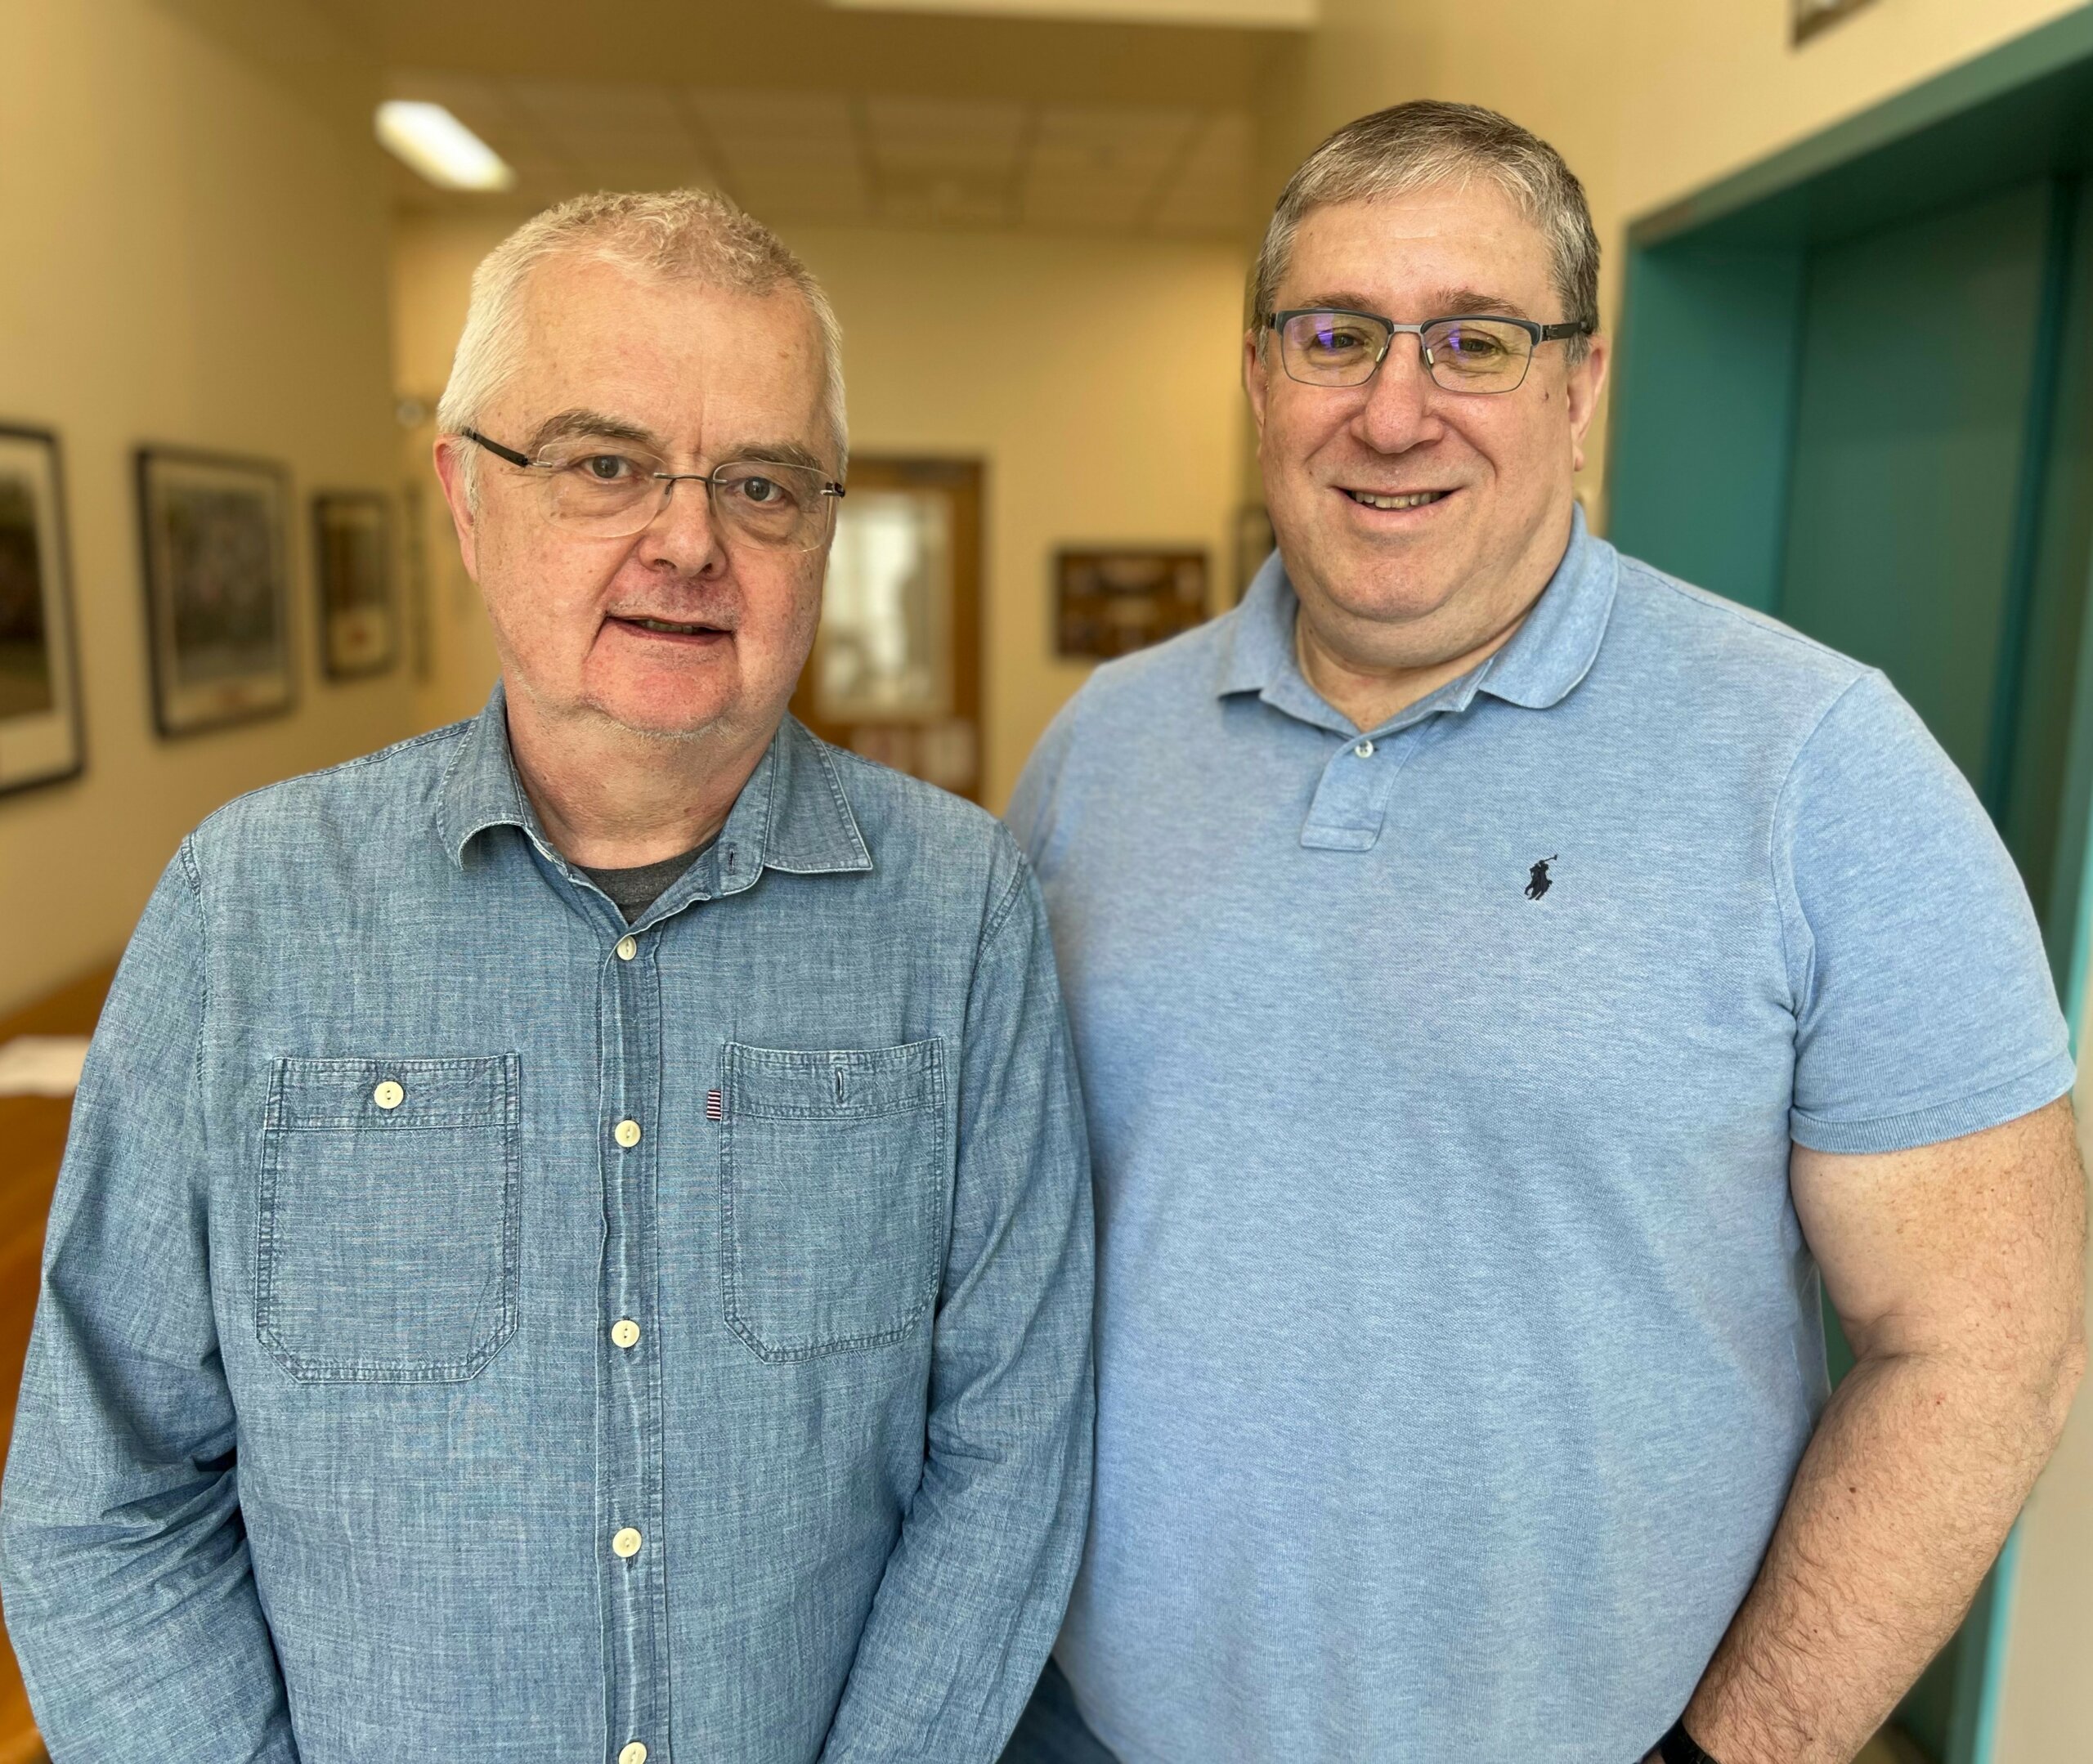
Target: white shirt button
x: 635, y: 1754
x: 626, y: 1133
x: 625, y: 1332
x: 626, y: 1543
x: 388, y: 1095
x: 628, y: 947
x: 1364, y: 749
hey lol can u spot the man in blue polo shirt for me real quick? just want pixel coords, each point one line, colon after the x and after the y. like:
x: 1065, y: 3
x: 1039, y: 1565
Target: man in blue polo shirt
x: 1504, y: 980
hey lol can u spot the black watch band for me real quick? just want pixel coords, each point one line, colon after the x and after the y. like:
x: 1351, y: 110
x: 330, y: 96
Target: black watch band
x: 1679, y: 1747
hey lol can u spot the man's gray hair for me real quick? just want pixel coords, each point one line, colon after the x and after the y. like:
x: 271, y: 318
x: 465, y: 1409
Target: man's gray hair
x: 1410, y: 146
x: 676, y: 235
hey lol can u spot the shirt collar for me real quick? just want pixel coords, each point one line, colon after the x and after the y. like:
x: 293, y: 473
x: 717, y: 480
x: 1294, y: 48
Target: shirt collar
x: 1547, y: 658
x: 791, y: 815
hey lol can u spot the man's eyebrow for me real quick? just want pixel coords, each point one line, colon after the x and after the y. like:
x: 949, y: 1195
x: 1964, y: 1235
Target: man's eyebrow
x: 570, y: 423
x: 1466, y: 302
x: 1447, y: 303
x: 776, y: 453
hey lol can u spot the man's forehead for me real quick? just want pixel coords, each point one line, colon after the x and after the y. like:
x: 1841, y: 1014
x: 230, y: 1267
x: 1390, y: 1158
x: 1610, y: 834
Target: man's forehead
x: 1444, y: 239
x: 570, y: 294
x: 597, y: 336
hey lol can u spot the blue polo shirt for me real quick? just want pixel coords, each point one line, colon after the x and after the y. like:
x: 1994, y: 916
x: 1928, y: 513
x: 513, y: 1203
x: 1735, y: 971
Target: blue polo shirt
x: 1457, y: 1341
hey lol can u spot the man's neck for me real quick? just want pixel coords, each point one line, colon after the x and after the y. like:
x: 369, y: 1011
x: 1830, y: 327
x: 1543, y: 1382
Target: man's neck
x: 611, y: 797
x: 1369, y: 694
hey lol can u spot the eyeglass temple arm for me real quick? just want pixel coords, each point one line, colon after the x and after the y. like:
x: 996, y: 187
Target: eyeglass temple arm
x: 496, y: 449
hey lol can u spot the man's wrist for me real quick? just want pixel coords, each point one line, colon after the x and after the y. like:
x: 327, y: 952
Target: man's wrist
x: 1679, y: 1747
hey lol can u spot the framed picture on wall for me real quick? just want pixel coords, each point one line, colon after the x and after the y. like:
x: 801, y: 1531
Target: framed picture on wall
x: 1112, y: 603
x: 359, y: 608
x: 40, y: 740
x: 217, y: 596
x: 1808, y: 17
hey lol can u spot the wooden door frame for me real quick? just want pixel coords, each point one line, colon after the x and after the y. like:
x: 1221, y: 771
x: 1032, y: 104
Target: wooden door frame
x: 968, y: 477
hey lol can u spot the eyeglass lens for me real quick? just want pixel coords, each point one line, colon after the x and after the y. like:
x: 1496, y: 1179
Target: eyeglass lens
x: 1462, y: 355
x: 611, y: 493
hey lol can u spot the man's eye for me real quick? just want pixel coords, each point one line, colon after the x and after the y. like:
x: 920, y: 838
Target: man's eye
x: 608, y: 467
x: 1474, y: 346
x: 1339, y: 342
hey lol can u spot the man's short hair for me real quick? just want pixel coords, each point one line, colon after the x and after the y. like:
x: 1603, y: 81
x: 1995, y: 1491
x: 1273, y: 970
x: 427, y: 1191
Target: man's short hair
x: 676, y: 235
x: 1410, y: 146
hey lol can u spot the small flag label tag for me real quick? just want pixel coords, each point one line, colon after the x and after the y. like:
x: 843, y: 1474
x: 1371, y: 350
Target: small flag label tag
x: 715, y: 1106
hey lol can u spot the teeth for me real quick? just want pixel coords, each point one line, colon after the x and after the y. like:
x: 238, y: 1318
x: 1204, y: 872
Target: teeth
x: 1417, y: 500
x: 665, y: 624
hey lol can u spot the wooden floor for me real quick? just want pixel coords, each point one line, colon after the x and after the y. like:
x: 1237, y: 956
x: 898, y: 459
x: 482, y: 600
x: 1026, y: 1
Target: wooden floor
x: 31, y: 1140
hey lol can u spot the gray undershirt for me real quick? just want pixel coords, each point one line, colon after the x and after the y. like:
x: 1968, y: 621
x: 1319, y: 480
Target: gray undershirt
x: 633, y: 891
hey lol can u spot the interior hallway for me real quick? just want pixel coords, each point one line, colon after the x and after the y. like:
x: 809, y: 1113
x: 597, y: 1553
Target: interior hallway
x: 208, y: 249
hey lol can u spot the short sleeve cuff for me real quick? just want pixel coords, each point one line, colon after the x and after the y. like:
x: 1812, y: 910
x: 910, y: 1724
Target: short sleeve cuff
x: 1938, y: 1121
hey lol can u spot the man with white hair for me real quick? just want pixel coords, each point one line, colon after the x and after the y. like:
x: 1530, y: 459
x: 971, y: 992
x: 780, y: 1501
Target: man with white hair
x: 575, y: 1241
x: 1504, y: 981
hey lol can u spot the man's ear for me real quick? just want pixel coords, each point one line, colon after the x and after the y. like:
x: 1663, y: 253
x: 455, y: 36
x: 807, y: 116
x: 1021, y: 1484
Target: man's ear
x: 451, y: 473
x: 1587, y: 379
x: 1253, y: 373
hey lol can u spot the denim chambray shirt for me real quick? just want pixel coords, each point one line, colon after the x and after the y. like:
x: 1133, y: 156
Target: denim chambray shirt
x: 472, y: 1331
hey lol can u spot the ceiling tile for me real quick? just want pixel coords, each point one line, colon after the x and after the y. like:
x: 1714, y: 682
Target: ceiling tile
x: 931, y: 134
x: 601, y: 124
x: 786, y: 155
x: 1207, y: 192
x: 1099, y: 169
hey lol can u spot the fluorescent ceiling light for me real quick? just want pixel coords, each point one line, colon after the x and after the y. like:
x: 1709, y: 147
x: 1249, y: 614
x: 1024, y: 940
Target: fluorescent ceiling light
x: 1269, y: 15
x: 440, y: 147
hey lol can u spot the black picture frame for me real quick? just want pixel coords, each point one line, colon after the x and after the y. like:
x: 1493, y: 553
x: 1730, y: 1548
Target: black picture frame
x: 355, y: 583
x: 217, y: 569
x: 43, y: 732
x: 1806, y: 18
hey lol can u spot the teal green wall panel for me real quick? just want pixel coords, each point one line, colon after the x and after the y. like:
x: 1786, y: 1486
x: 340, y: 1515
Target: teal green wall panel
x: 1702, y: 406
x: 1917, y: 356
x: 2043, y: 807
x: 1854, y: 387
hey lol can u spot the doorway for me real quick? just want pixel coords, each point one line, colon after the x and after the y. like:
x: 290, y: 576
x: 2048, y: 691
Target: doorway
x: 1856, y: 391
x: 896, y: 670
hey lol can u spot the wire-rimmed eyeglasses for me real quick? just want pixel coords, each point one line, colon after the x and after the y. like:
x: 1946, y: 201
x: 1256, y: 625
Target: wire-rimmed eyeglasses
x: 606, y: 490
x: 1475, y: 352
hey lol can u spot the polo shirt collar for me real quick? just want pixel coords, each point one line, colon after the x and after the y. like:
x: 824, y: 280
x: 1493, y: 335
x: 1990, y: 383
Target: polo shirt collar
x: 792, y: 814
x: 1542, y: 665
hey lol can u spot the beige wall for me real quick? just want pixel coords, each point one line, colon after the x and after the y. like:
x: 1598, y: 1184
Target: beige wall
x: 1102, y: 395
x: 195, y: 254
x: 1650, y: 100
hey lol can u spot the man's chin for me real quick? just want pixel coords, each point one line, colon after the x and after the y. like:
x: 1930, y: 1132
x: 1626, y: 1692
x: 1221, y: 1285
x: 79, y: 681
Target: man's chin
x: 652, y: 719
x: 1364, y: 582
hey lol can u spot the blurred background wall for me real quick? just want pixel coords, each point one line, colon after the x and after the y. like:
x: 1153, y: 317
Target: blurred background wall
x: 196, y: 235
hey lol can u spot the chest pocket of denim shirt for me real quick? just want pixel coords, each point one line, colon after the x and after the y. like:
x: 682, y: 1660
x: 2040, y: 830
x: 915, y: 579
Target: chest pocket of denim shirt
x: 832, y: 1185
x: 390, y: 1218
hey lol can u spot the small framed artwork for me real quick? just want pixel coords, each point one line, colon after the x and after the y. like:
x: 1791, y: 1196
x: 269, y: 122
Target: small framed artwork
x: 1255, y: 541
x: 218, y: 597
x: 1808, y: 17
x: 40, y: 740
x: 1112, y: 603
x: 359, y: 610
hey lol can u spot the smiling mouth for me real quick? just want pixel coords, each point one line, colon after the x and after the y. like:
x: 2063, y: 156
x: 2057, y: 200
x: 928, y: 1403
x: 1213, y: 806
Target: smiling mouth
x: 667, y: 627
x: 1411, y: 500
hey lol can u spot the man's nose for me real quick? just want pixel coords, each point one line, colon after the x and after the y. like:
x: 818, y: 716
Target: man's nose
x: 684, y: 534
x: 1401, y: 406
